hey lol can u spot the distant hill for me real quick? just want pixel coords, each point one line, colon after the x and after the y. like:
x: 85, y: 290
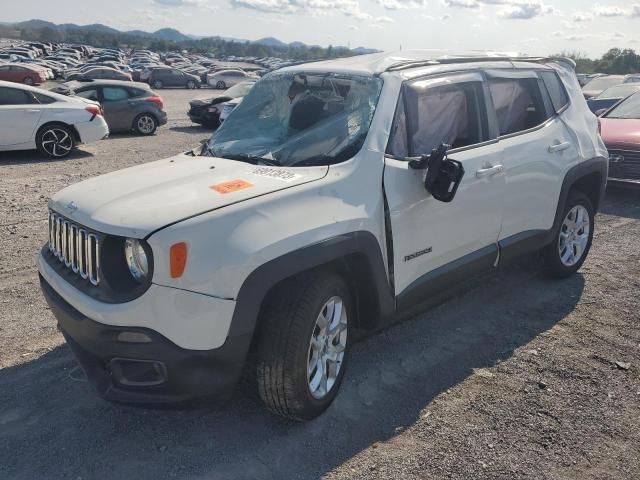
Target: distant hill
x: 168, y: 34
x: 171, y: 34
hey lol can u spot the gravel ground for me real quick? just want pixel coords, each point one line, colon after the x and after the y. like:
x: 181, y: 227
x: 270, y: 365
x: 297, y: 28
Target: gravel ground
x: 517, y: 377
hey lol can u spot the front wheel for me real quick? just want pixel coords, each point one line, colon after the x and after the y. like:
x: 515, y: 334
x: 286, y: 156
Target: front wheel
x: 145, y: 124
x: 28, y: 81
x: 303, y: 345
x: 157, y: 84
x: 191, y: 84
x: 221, y: 85
x: 55, y: 141
x: 572, y: 242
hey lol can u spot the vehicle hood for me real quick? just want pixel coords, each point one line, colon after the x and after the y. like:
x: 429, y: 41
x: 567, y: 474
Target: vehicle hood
x: 137, y: 201
x: 619, y: 133
x: 200, y: 102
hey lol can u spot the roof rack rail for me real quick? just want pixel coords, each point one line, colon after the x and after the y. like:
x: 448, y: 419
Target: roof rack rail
x: 404, y: 65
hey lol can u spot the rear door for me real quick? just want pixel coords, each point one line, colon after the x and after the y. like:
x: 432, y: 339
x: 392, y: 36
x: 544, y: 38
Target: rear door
x: 537, y: 149
x: 117, y: 108
x: 19, y: 116
x: 430, y: 237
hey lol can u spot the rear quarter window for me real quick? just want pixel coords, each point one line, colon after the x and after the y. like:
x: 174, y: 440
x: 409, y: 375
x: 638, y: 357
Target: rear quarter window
x: 556, y: 90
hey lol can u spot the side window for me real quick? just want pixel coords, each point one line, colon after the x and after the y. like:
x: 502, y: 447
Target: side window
x: 43, y: 99
x: 428, y: 116
x: 90, y: 94
x: 518, y: 102
x: 113, y: 94
x: 14, y: 96
x: 557, y: 92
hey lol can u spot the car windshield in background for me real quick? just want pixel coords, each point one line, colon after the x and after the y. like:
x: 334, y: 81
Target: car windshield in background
x: 619, y: 91
x: 297, y: 119
x: 602, y: 83
x: 239, y: 90
x: 629, y: 108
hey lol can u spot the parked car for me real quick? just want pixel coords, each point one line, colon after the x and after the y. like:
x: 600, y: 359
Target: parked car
x: 621, y: 135
x: 228, y: 107
x: 611, y: 96
x: 100, y: 73
x: 322, y: 207
x: 127, y: 106
x: 599, y: 84
x: 22, y: 74
x: 172, y: 77
x: 31, y: 118
x: 227, y: 78
x: 207, y: 111
x: 632, y: 78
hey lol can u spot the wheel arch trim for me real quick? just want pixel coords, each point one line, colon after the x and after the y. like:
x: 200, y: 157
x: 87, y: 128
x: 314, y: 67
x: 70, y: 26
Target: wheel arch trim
x: 257, y: 285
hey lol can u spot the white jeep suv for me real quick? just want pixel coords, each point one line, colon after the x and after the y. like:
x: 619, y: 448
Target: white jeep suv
x: 337, y: 196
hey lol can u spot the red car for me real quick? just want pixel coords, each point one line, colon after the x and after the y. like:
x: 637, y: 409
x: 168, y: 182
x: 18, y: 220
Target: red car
x: 621, y: 135
x: 21, y: 74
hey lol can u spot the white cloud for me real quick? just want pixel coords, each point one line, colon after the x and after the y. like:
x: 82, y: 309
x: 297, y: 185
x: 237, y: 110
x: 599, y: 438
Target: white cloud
x: 178, y: 3
x: 609, y: 11
x: 525, y: 10
x: 401, y: 4
x: 349, y: 8
x: 462, y: 3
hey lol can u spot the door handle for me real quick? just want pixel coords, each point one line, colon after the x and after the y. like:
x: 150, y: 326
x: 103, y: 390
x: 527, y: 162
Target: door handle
x: 489, y: 171
x: 31, y: 110
x: 559, y: 147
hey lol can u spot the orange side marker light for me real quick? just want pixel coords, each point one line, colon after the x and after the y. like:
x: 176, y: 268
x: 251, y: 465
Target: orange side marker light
x: 178, y: 259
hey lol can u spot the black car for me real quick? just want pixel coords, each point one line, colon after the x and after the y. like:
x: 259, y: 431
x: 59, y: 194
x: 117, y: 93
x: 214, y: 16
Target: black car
x: 127, y: 105
x: 172, y: 77
x: 207, y: 111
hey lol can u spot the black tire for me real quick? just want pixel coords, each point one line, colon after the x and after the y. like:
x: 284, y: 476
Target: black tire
x: 145, y: 124
x: 191, y: 85
x: 28, y: 81
x: 287, y: 324
x: 55, y: 140
x: 220, y: 85
x: 157, y: 84
x: 552, y: 253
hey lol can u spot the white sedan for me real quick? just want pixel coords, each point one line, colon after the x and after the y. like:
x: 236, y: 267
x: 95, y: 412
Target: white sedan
x: 32, y: 118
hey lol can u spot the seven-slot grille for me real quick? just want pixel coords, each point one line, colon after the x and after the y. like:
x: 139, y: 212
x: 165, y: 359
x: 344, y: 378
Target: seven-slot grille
x: 77, y: 248
x: 626, y: 166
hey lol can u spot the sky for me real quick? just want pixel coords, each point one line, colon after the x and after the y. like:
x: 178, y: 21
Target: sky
x: 537, y: 27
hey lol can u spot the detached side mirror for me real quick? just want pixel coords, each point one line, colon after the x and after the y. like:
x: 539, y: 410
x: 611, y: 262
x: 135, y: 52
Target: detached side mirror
x: 443, y: 174
x: 600, y: 112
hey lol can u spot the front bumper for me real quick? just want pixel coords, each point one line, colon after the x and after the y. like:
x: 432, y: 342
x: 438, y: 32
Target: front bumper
x: 146, y: 368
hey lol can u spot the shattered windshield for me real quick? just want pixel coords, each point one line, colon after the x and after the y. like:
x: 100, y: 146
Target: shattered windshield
x: 297, y: 119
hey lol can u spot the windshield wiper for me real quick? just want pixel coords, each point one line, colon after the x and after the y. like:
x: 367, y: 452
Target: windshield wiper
x: 253, y: 159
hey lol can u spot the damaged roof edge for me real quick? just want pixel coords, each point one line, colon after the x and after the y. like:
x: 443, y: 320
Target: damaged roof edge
x: 378, y: 63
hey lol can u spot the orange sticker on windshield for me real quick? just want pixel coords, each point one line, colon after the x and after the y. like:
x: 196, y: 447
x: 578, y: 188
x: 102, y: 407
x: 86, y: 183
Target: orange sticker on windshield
x: 231, y: 186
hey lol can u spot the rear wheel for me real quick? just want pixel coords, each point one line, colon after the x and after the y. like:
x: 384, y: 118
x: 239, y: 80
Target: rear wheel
x: 191, y: 84
x: 566, y: 254
x: 303, y: 345
x: 55, y: 141
x: 157, y: 84
x: 145, y: 124
x: 28, y: 81
x: 221, y: 85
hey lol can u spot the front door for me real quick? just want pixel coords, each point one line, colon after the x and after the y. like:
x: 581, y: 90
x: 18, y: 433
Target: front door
x: 431, y: 237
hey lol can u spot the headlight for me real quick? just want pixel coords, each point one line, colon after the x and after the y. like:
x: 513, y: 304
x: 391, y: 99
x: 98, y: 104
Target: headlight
x: 136, y: 259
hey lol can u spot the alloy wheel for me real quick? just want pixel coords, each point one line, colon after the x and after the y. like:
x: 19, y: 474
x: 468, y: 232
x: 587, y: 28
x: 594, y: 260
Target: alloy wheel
x: 146, y: 124
x: 574, y: 236
x: 57, y: 142
x: 327, y: 347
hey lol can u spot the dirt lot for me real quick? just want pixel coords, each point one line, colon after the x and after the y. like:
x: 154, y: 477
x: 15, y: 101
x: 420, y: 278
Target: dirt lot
x: 515, y: 378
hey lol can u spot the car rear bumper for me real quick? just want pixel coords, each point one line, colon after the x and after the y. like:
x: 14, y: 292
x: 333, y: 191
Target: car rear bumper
x: 92, y: 131
x: 138, y: 365
x: 162, y: 117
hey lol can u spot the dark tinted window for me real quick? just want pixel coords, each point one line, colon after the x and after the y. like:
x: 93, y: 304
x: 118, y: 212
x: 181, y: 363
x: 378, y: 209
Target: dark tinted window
x: 137, y: 92
x: 558, y: 94
x: 43, y: 99
x: 89, y: 93
x: 518, y: 103
x: 429, y: 116
x: 13, y: 96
